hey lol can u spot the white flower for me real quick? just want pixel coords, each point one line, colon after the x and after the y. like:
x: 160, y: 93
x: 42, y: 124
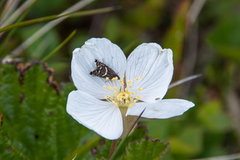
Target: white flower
x: 144, y: 79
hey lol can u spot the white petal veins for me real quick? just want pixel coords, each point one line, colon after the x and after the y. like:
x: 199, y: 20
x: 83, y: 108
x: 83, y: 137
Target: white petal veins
x: 155, y: 66
x: 161, y: 109
x: 83, y: 62
x: 99, y: 116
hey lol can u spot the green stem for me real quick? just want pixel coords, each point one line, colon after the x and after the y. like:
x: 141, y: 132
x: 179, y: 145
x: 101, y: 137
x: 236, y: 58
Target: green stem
x: 113, y: 147
x: 130, y: 130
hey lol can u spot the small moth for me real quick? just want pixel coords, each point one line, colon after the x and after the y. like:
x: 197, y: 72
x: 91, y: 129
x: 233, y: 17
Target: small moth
x: 103, y: 71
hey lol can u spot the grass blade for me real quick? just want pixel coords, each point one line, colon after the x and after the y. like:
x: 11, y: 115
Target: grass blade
x: 18, y: 12
x: 58, y: 47
x: 47, y: 27
x: 85, y: 148
x: 10, y: 6
x: 48, y: 18
x: 10, y: 34
x: 184, y: 80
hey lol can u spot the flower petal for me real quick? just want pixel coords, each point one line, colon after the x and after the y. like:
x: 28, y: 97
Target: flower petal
x: 155, y: 66
x: 161, y: 109
x: 83, y: 62
x: 99, y: 116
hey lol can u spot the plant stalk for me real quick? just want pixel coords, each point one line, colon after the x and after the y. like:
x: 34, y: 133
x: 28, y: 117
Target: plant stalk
x: 113, y: 147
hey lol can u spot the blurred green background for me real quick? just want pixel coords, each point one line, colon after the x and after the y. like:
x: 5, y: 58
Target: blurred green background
x: 204, y: 37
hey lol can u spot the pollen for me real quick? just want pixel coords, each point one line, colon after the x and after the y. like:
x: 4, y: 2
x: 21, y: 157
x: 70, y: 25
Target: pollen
x: 140, y: 77
x: 122, y: 95
x: 129, y: 81
x: 121, y: 81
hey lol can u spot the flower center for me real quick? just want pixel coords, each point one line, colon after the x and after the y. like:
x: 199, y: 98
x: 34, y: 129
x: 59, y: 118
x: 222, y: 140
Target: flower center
x: 123, y: 96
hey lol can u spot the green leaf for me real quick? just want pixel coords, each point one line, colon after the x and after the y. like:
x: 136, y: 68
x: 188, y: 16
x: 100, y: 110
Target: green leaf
x: 174, y: 38
x: 225, y: 36
x: 34, y: 122
x: 187, y: 142
x: 101, y: 150
x: 146, y: 149
x: 213, y: 118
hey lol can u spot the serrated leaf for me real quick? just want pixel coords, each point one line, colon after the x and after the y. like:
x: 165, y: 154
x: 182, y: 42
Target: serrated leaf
x: 105, y: 145
x: 146, y: 149
x: 34, y: 122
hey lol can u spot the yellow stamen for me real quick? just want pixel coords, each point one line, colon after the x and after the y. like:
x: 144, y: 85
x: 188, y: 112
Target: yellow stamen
x: 122, y: 95
x: 121, y: 81
x: 129, y: 81
x: 113, y: 79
